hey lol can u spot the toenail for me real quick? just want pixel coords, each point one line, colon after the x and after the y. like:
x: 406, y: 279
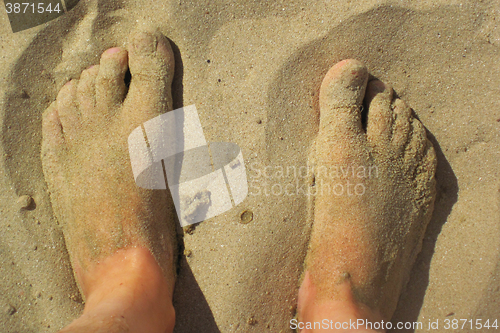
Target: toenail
x: 113, y: 50
x: 145, y: 43
x: 342, y: 63
x: 68, y: 83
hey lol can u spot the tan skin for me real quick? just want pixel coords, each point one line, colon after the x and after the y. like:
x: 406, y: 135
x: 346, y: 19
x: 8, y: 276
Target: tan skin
x: 124, y: 265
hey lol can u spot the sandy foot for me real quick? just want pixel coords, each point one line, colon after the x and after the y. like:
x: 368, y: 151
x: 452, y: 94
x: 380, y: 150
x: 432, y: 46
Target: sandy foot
x: 105, y: 217
x: 376, y: 190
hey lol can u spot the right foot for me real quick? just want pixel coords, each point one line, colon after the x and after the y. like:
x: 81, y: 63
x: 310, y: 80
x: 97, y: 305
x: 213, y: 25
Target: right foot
x: 368, y: 228
x: 119, y: 236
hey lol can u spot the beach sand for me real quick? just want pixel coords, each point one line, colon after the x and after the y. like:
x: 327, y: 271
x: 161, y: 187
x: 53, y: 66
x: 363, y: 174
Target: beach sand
x: 253, y: 70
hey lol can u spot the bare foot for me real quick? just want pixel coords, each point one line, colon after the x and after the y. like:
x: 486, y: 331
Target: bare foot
x: 120, y: 237
x: 375, y: 196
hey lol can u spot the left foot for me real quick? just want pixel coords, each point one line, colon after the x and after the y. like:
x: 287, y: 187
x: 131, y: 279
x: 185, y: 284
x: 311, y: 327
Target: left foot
x: 375, y: 196
x: 120, y: 244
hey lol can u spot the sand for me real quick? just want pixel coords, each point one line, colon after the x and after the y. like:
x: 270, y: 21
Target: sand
x: 253, y: 69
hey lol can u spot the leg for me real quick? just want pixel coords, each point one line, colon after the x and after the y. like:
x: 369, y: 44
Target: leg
x: 375, y: 196
x: 121, y: 238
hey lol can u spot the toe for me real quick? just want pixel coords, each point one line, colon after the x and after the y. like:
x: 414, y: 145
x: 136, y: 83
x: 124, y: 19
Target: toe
x: 429, y: 163
x: 418, y: 142
x: 151, y: 64
x: 402, y: 129
x: 67, y: 107
x: 341, y: 98
x: 380, y: 115
x: 86, y: 90
x: 110, y: 82
x: 424, y: 174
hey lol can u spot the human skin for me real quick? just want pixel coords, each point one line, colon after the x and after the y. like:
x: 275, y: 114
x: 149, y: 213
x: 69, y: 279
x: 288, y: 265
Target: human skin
x: 121, y: 238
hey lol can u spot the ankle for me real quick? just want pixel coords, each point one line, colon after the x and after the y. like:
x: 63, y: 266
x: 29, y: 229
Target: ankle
x: 130, y: 284
x: 344, y: 314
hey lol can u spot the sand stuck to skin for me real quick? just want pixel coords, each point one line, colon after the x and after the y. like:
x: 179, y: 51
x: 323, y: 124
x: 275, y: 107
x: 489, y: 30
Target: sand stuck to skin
x: 254, y: 69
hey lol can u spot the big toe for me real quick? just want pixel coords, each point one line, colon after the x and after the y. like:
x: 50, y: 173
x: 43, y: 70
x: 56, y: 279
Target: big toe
x: 110, y: 83
x: 341, y: 98
x: 151, y: 63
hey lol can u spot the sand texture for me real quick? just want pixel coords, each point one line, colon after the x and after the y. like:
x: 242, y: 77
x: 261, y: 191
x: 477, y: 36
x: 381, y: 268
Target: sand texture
x: 253, y: 69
